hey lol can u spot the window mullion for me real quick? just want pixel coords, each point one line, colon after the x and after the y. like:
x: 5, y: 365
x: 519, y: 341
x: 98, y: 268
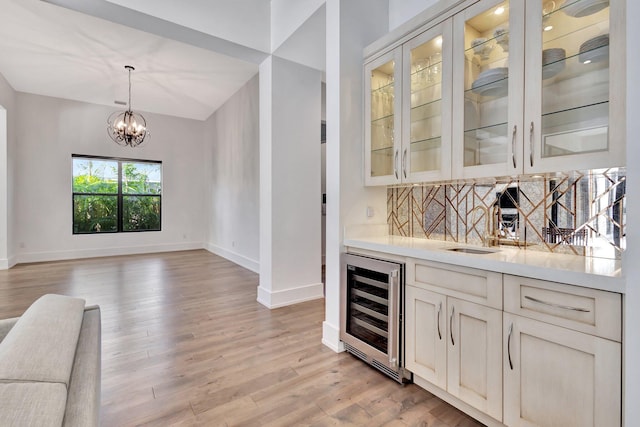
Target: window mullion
x: 120, y: 201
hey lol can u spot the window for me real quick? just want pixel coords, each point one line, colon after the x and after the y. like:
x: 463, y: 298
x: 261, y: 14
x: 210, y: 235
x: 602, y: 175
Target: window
x: 116, y: 195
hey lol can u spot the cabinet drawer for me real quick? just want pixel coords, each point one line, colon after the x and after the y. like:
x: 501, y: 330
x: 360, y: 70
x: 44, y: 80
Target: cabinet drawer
x: 586, y: 310
x: 479, y: 286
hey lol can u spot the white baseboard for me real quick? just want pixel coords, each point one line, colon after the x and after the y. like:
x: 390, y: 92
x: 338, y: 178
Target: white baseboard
x: 13, y: 260
x: 331, y: 337
x: 289, y: 296
x: 241, y: 260
x: 102, y: 252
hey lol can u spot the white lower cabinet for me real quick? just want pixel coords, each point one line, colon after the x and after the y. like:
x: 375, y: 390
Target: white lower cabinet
x: 552, y: 358
x: 453, y: 343
x: 426, y: 335
x: 556, y: 377
x: 562, y: 365
x: 474, y: 355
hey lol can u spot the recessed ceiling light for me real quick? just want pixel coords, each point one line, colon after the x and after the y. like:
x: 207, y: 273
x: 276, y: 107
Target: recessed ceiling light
x: 548, y: 28
x: 439, y: 41
x: 499, y: 10
x: 588, y: 61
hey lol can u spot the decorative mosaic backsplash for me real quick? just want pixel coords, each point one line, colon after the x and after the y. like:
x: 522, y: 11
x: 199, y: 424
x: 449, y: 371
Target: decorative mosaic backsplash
x: 581, y: 213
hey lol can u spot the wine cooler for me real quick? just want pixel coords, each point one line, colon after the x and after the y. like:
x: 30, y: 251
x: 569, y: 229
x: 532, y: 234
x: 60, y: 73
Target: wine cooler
x: 371, y: 312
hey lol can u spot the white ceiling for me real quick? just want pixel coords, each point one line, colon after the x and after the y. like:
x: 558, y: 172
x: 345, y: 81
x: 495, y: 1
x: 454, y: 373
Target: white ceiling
x: 51, y: 50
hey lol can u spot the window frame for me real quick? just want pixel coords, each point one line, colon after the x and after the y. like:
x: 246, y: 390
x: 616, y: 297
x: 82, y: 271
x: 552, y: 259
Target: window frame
x: 119, y: 194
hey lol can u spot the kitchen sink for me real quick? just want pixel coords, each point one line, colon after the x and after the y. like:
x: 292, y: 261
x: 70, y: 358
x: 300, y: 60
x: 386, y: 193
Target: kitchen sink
x: 476, y: 251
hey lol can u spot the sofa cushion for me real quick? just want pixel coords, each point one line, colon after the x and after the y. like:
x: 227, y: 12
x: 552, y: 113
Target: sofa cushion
x: 32, y: 404
x: 42, y: 344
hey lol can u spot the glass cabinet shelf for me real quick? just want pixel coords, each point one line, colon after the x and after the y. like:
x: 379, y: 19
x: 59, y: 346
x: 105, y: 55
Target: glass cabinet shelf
x: 595, y: 110
x: 382, y: 133
x: 577, y: 130
x: 572, y: 37
x: 382, y: 120
x: 384, y: 150
x: 382, y: 161
x: 494, y: 89
x: 426, y: 111
x: 385, y: 88
x: 488, y: 131
x: 426, y: 144
x: 574, y: 65
x: 427, y: 77
x: 485, y: 146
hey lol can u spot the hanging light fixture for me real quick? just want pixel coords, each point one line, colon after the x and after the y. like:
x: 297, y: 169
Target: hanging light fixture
x: 127, y: 127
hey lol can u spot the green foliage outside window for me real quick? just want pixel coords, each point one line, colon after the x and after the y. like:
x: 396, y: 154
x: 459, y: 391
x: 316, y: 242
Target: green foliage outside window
x: 116, y: 195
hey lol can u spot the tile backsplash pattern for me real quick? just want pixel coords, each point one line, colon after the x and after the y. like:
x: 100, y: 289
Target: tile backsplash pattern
x: 580, y: 212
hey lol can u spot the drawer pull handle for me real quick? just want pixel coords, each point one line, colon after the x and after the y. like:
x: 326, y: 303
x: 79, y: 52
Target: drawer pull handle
x: 509, y: 346
x: 439, y: 311
x: 453, y: 309
x: 564, y: 307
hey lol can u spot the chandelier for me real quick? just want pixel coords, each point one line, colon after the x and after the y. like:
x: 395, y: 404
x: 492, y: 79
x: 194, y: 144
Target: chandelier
x: 127, y: 127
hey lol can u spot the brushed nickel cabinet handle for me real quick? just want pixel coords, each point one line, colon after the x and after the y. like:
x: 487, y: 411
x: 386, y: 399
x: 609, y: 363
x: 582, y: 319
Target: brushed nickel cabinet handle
x: 453, y: 309
x: 531, y: 144
x: 439, y: 310
x: 404, y: 163
x: 513, y: 145
x: 509, y: 346
x: 551, y: 304
x: 395, y: 164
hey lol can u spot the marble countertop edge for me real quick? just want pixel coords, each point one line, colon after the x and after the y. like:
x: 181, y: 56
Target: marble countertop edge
x: 590, y: 272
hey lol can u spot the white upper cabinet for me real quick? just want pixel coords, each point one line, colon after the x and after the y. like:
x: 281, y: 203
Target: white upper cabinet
x: 575, y: 85
x: 488, y: 90
x: 538, y: 94
x: 382, y: 118
x: 426, y: 113
x: 408, y: 111
x: 499, y: 88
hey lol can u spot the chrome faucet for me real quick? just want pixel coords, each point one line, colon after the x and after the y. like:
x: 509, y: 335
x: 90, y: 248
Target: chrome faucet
x: 488, y: 239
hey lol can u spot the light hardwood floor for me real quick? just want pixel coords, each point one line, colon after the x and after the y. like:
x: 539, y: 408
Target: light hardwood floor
x: 185, y: 343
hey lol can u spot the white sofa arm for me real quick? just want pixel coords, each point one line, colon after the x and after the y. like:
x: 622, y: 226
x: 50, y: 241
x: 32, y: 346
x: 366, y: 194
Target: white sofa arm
x: 6, y: 325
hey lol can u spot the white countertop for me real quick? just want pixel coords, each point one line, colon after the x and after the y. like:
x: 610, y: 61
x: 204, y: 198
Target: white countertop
x: 591, y: 272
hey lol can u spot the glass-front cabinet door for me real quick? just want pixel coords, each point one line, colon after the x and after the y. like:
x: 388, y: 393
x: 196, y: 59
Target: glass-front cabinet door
x: 382, y: 119
x: 488, y: 89
x: 574, y: 112
x: 551, y: 99
x: 426, y: 114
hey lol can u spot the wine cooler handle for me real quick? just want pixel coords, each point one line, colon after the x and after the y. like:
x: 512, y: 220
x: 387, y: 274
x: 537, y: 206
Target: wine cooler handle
x: 439, y: 311
x: 393, y: 329
x: 453, y: 309
x: 513, y: 145
x: 509, y: 346
x: 531, y: 144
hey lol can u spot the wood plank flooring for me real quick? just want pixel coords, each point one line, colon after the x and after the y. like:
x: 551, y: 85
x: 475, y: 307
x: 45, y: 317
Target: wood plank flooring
x: 185, y: 343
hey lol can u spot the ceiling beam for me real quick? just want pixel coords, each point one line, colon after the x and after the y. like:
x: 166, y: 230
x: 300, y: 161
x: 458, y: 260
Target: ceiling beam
x: 160, y: 27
